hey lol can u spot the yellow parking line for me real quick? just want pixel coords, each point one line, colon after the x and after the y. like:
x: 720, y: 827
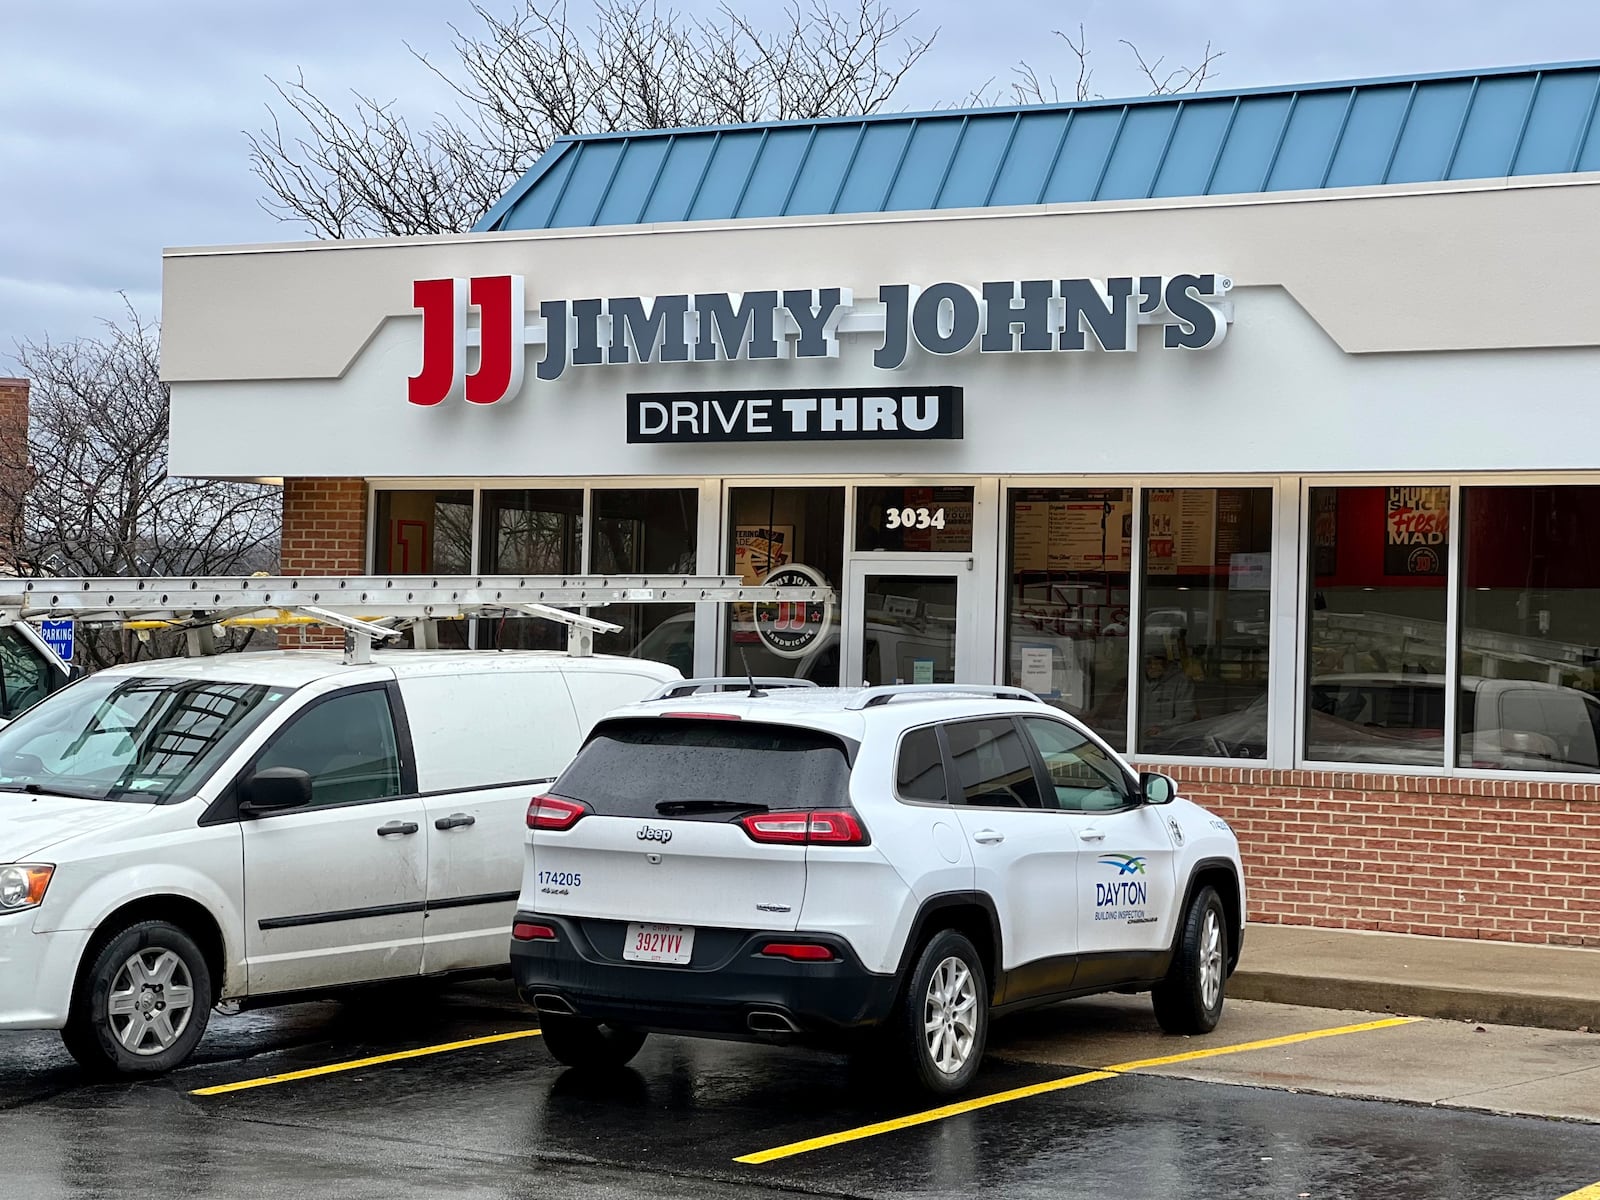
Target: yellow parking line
x: 1057, y: 1085
x: 1592, y: 1192
x: 357, y: 1064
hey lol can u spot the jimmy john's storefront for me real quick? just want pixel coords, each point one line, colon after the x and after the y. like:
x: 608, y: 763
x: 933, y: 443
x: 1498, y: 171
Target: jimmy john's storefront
x: 1279, y: 493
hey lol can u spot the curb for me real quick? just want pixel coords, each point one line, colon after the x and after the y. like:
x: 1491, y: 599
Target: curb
x: 1418, y: 1000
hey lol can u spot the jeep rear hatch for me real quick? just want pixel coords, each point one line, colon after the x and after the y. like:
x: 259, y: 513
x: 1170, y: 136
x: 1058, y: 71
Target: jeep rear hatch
x: 689, y: 821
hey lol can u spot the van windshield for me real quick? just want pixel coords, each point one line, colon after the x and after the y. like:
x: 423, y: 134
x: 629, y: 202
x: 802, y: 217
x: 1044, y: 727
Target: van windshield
x: 705, y: 770
x: 136, y: 738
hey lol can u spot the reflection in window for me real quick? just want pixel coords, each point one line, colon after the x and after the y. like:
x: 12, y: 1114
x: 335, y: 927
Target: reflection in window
x: 909, y: 629
x: 993, y: 766
x: 919, y: 771
x: 1067, y: 630
x: 774, y: 529
x: 346, y: 744
x: 530, y: 531
x: 1530, y: 629
x: 425, y: 533
x: 646, y: 531
x: 1379, y: 558
x: 1206, y: 598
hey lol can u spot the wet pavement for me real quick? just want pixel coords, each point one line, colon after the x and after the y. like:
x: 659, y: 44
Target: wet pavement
x: 501, y: 1118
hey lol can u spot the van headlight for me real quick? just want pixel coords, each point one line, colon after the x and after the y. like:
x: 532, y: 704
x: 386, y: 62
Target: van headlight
x: 22, y: 885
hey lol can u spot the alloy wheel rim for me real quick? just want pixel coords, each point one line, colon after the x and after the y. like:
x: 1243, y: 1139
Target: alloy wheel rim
x: 151, y: 1001
x: 1211, y: 959
x: 950, y: 1015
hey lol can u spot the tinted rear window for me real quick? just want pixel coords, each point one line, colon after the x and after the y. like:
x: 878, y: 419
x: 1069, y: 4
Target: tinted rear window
x: 629, y: 767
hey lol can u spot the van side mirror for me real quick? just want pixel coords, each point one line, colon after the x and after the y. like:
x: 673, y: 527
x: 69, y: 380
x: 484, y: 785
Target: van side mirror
x: 274, y: 789
x: 1157, y: 788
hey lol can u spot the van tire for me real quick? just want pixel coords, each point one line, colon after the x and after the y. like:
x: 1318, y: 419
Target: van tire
x: 153, y: 974
x: 1189, y: 1000
x: 948, y: 977
x: 577, y: 1042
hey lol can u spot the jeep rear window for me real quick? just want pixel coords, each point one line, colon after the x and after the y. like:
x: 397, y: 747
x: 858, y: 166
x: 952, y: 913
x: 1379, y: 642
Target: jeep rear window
x: 627, y: 768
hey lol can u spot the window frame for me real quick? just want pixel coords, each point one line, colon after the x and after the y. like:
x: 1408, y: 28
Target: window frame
x: 953, y: 775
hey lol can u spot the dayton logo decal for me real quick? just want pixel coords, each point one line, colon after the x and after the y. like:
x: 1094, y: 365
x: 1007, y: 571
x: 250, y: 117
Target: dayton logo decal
x: 1126, y: 864
x: 444, y: 304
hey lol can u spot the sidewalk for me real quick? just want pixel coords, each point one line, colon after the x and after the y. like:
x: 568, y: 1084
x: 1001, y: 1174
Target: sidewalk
x: 1549, y: 987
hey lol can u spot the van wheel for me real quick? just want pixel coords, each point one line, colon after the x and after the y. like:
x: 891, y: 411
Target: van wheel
x: 940, y: 1027
x: 141, y: 1003
x: 580, y: 1043
x: 1189, y: 1000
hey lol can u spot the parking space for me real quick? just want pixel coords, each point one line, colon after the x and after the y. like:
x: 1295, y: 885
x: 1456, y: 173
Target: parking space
x: 403, y: 1095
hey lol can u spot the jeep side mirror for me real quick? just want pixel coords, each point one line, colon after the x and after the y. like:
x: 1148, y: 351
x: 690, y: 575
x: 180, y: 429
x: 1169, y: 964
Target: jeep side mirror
x: 1157, y: 788
x: 274, y: 789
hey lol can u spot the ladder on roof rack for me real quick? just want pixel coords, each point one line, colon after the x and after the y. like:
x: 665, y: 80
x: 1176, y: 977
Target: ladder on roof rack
x: 873, y: 697
x: 369, y: 608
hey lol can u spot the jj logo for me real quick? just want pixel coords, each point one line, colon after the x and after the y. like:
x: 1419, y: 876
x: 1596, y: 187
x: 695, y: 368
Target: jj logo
x: 444, y: 304
x: 649, y: 834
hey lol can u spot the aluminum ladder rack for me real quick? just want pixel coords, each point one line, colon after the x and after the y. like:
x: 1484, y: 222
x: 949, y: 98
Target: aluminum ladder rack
x: 368, y: 608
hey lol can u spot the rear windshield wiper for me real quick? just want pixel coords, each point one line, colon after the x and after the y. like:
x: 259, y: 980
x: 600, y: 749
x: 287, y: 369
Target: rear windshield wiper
x: 674, y: 807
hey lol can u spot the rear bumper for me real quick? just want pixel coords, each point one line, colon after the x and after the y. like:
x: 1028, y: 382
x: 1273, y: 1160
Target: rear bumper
x: 716, y: 994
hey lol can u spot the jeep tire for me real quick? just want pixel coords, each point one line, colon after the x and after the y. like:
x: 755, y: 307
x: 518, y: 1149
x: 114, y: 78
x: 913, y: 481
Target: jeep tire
x: 937, y: 1033
x: 1189, y: 999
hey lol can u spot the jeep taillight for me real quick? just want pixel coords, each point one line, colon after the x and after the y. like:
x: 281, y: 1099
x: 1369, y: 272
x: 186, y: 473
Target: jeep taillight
x: 552, y: 812
x: 830, y: 827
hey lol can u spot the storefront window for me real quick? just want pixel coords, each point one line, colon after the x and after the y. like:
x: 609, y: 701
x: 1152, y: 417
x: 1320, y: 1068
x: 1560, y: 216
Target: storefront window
x: 644, y: 531
x: 1530, y: 629
x: 1206, y: 598
x: 1379, y: 563
x: 529, y: 532
x: 790, y: 536
x: 928, y: 519
x: 425, y: 533
x: 1067, y: 627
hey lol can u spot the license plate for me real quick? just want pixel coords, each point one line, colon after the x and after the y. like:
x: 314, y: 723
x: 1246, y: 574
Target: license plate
x: 659, y: 944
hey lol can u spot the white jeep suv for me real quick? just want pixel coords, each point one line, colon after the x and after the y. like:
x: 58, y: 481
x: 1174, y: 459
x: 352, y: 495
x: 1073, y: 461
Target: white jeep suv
x: 881, y: 869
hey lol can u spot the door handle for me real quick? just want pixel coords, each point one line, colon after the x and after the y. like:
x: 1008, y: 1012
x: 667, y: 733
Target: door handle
x: 988, y: 837
x: 1091, y: 835
x: 455, y: 821
x: 394, y: 827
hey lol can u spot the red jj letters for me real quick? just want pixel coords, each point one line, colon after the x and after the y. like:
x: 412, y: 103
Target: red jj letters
x: 444, y: 304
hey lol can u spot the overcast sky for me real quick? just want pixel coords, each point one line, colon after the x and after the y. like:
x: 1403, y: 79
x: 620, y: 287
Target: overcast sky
x: 121, y: 124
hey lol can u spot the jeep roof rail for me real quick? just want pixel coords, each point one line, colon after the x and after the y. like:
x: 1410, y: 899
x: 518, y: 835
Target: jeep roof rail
x: 725, y: 683
x: 874, y: 697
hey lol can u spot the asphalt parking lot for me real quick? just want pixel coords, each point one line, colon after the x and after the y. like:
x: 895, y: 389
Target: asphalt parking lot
x: 410, y: 1094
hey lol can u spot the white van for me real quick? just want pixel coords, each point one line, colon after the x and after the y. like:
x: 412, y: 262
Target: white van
x: 275, y: 826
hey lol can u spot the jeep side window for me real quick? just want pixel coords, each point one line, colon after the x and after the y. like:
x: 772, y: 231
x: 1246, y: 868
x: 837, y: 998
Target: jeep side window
x: 24, y: 671
x: 919, y: 770
x: 1085, y: 779
x: 993, y: 766
x: 346, y: 744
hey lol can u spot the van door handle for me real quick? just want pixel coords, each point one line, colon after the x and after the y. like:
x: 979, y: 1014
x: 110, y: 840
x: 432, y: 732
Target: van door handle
x: 1091, y: 835
x: 455, y: 821
x: 394, y: 827
x: 988, y: 837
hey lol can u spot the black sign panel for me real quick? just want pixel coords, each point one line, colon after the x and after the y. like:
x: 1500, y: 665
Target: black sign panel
x: 797, y: 415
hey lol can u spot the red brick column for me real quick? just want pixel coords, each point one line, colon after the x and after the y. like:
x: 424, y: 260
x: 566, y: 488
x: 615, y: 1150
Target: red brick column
x: 324, y: 533
x: 14, y: 464
x: 1500, y: 859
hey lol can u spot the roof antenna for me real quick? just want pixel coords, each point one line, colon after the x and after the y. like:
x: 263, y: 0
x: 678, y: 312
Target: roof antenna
x: 743, y: 658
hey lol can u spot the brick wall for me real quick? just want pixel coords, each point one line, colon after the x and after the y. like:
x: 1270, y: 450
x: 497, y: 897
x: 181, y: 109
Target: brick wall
x: 1503, y: 860
x: 13, y: 462
x: 324, y: 533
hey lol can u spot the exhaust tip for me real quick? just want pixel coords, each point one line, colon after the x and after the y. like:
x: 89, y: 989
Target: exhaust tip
x: 764, y: 1021
x: 548, y: 1002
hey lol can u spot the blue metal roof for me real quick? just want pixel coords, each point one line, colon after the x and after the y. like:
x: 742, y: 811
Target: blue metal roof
x: 1481, y: 125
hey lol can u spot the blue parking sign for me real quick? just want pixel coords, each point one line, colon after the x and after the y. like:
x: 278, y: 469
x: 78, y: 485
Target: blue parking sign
x: 59, y: 636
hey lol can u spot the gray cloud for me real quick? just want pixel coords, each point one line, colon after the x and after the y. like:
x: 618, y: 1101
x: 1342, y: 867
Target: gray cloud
x: 121, y: 124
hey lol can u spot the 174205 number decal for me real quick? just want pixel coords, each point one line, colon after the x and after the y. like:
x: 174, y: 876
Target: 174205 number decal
x: 562, y: 878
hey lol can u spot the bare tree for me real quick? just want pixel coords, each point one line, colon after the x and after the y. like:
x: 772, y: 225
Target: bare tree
x: 525, y: 80
x: 1029, y: 87
x: 90, y: 494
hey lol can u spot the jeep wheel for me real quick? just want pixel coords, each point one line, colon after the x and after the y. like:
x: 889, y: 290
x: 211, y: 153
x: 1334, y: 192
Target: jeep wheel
x: 942, y: 1022
x: 141, y: 1002
x: 1189, y: 1000
x: 580, y: 1043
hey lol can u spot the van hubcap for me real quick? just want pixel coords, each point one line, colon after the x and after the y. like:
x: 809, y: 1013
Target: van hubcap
x: 151, y: 1001
x: 950, y: 1015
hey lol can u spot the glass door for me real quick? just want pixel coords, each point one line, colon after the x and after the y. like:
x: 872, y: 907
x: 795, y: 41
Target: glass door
x: 908, y: 620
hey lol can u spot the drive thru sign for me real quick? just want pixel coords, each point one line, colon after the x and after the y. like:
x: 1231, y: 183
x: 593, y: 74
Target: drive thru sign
x: 59, y: 636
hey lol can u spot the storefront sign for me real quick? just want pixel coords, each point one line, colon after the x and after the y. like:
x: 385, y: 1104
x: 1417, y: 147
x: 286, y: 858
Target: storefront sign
x: 1002, y: 316
x: 917, y: 414
x: 1417, y: 521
